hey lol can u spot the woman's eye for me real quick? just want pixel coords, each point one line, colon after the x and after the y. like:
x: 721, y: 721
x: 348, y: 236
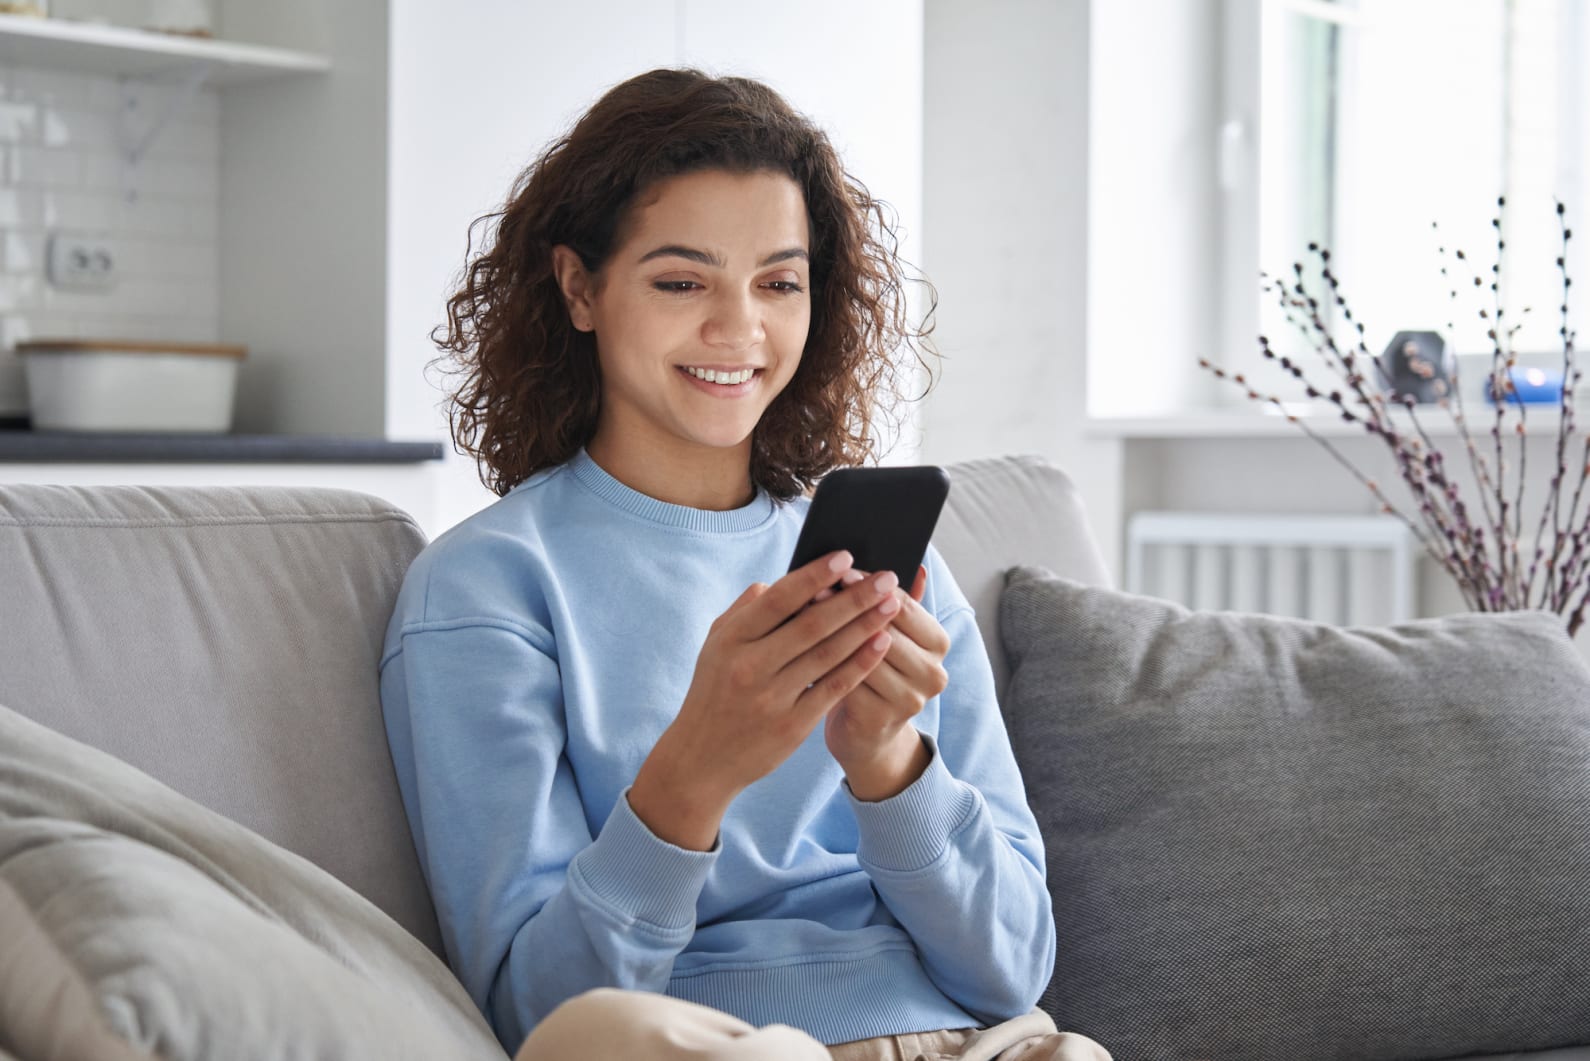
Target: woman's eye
x: 681, y: 287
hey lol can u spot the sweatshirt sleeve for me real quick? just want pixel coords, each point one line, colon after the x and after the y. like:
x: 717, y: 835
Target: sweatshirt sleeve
x: 536, y: 903
x: 957, y: 856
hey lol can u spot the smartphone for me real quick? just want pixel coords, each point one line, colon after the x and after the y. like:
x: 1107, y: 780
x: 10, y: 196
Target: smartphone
x: 883, y: 516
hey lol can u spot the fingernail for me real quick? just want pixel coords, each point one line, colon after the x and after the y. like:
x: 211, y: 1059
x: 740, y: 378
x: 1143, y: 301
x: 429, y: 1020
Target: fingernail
x: 839, y: 561
x: 881, y: 642
x: 823, y: 594
x: 889, y: 606
x: 886, y: 582
x: 852, y: 577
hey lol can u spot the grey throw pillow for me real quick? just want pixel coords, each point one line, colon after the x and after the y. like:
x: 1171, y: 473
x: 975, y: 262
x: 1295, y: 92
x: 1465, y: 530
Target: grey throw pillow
x: 136, y: 924
x: 1275, y: 839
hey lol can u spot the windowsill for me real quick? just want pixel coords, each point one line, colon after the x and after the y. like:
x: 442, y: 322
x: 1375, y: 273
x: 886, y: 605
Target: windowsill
x: 1541, y: 420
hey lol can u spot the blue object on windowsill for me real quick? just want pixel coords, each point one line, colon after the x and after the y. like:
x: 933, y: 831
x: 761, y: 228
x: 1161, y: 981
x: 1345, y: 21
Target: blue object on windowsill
x: 1531, y: 386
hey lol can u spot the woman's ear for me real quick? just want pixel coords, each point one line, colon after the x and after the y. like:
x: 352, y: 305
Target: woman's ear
x: 577, y: 285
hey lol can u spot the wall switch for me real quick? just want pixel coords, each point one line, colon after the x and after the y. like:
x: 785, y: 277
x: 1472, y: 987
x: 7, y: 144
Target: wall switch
x: 77, y: 261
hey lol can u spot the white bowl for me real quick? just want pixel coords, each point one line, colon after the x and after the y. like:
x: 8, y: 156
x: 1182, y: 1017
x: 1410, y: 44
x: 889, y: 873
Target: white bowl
x: 94, y: 385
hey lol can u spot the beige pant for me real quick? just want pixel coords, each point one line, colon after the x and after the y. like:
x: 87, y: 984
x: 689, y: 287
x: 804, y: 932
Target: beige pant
x: 605, y: 1023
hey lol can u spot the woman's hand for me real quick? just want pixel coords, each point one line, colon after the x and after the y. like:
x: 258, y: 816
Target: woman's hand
x: 764, y: 679
x: 870, y: 733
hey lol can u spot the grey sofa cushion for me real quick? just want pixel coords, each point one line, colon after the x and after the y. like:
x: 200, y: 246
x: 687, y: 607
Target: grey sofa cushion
x: 1012, y: 510
x: 225, y: 641
x: 138, y: 924
x: 1272, y: 839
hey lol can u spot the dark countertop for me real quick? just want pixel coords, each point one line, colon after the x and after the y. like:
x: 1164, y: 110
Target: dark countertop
x: 37, y: 447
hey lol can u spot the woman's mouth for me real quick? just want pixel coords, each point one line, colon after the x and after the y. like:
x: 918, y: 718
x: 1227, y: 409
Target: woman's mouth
x: 723, y: 382
x: 720, y: 376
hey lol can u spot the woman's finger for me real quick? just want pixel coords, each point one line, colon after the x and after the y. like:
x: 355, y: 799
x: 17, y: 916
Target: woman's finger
x: 866, y: 709
x: 789, y: 595
x: 808, y: 666
x: 818, y: 622
x: 918, y: 624
x: 909, y: 675
x: 843, y: 680
x: 849, y: 578
x: 753, y: 591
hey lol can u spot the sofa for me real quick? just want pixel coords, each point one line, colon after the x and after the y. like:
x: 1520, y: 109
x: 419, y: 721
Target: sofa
x: 1266, y: 838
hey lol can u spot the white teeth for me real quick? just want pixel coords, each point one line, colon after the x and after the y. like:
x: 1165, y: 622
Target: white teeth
x: 725, y: 378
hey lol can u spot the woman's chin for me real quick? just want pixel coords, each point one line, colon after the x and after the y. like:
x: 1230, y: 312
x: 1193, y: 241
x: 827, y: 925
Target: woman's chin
x: 724, y: 437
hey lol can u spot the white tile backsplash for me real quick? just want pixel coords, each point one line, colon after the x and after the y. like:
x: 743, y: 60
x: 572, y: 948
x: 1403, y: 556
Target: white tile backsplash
x: 76, y: 208
x: 62, y: 167
x: 46, y: 167
x: 62, y: 88
x: 21, y: 252
x: 17, y: 204
x: 69, y: 126
x: 18, y: 120
x: 20, y: 293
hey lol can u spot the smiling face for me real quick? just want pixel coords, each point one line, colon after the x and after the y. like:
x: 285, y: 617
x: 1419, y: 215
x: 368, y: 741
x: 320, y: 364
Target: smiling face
x: 701, y: 312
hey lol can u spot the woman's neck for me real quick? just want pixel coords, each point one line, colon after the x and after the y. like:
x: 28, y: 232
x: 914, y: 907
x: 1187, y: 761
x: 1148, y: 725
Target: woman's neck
x: 717, y: 480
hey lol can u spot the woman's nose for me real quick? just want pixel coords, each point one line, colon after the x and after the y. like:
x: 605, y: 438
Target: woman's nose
x: 734, y: 322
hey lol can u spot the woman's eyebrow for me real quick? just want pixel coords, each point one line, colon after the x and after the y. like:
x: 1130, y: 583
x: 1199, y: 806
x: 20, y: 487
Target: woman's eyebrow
x: 786, y: 255
x: 674, y: 250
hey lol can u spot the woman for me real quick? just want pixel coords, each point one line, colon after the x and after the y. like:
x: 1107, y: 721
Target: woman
x: 603, y: 694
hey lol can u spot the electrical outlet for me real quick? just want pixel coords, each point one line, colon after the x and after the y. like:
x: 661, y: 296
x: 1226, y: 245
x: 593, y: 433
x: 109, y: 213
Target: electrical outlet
x: 76, y: 261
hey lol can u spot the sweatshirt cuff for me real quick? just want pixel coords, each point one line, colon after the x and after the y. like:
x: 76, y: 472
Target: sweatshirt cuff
x: 639, y: 877
x: 910, y: 830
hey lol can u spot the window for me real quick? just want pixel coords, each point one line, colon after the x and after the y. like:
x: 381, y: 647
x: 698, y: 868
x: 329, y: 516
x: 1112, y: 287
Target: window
x: 1377, y: 118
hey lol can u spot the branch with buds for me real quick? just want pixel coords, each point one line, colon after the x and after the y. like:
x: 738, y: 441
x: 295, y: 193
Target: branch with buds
x: 1482, y: 550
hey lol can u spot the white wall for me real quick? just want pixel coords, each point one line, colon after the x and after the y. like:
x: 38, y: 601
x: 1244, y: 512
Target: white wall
x: 477, y: 90
x: 468, y: 111
x: 1006, y: 234
x: 303, y: 223
x: 1153, y: 205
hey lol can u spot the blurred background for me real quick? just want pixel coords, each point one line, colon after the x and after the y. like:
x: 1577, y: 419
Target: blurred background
x: 1094, y: 188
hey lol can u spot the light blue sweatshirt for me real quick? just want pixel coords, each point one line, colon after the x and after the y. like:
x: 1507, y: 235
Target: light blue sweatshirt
x: 537, y: 652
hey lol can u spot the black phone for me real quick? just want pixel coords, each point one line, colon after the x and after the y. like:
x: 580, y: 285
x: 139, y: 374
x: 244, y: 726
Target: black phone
x: 883, y: 516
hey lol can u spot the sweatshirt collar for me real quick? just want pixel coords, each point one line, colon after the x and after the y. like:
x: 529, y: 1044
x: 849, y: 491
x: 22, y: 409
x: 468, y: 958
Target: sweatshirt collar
x: 609, y: 489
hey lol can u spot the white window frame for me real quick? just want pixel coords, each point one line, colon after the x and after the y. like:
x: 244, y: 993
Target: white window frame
x: 1247, y: 27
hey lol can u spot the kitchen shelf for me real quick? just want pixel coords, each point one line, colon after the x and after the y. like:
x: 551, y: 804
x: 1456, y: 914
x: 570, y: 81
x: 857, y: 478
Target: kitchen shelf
x: 34, y: 447
x: 117, y: 51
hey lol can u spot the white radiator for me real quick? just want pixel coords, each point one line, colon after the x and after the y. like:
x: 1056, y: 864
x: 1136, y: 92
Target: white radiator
x: 1352, y: 570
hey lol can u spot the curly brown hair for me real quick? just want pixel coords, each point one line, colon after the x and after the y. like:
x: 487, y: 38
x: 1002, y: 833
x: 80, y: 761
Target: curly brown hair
x: 532, y: 385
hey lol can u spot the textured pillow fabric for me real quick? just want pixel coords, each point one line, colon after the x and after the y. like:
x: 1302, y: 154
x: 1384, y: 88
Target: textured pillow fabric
x: 1275, y: 839
x: 223, y: 640
x: 135, y: 923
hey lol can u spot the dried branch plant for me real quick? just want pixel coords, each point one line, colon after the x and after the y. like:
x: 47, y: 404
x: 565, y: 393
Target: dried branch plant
x: 1484, y: 551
